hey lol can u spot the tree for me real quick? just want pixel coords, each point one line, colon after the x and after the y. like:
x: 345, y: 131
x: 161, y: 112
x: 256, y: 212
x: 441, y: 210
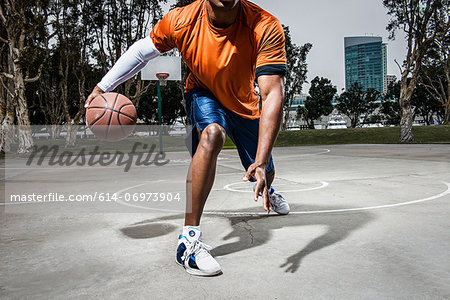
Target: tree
x: 296, y: 68
x: 424, y: 104
x: 172, y: 107
x: 301, y: 114
x: 7, y: 111
x: 70, y: 59
x: 318, y: 103
x: 390, y: 109
x: 423, y: 22
x: 24, y: 32
x: 181, y: 3
x: 435, y: 75
x: 185, y: 71
x: 117, y: 25
x: 356, y: 103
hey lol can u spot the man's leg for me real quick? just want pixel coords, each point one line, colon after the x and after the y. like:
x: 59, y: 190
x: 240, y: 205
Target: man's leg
x: 192, y: 253
x: 208, y: 117
x: 202, y: 172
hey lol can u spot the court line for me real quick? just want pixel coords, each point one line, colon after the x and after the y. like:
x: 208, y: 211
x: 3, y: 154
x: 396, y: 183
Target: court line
x: 121, y: 191
x: 231, y: 173
x: 445, y: 193
x: 177, y: 162
x: 440, y: 195
x: 228, y: 187
x: 122, y: 202
x: 89, y: 167
x: 174, y: 162
x: 228, y: 213
x: 281, y: 157
x: 324, y: 151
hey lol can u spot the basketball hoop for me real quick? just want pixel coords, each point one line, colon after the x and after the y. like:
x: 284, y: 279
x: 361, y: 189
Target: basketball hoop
x: 162, y: 77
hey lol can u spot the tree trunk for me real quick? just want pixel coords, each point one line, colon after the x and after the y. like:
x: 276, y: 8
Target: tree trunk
x: 406, y: 110
x: 406, y: 118
x: 287, y: 110
x: 446, y: 103
x: 286, y: 119
x: 353, y: 121
x: 53, y: 130
x: 72, y: 130
x: 447, y: 115
x: 7, y: 119
x: 23, y: 121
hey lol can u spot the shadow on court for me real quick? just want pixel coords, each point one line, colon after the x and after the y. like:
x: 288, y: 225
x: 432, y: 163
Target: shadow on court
x: 256, y: 230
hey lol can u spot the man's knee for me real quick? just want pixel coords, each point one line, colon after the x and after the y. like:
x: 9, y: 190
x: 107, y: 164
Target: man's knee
x: 213, y: 138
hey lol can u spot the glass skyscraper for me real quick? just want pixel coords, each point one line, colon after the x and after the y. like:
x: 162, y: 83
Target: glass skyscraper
x: 365, y: 62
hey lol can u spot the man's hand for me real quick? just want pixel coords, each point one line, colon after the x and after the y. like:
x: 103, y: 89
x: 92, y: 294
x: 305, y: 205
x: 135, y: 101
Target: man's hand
x: 258, y: 171
x: 95, y: 92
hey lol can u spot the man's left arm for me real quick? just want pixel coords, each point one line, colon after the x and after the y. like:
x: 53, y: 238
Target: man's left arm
x: 272, y: 93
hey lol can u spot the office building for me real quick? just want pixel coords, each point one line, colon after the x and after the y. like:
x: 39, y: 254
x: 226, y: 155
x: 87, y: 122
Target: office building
x: 391, y: 79
x: 366, y: 62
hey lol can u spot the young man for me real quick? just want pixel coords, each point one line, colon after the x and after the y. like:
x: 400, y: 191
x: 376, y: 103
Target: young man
x: 227, y: 45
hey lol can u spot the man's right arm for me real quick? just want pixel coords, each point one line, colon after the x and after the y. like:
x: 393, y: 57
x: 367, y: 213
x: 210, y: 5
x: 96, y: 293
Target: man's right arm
x: 128, y: 65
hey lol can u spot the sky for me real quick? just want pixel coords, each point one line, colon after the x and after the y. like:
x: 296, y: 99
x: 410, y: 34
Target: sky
x: 325, y: 23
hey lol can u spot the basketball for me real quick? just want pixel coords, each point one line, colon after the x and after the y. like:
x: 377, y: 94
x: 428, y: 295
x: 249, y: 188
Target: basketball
x: 111, y: 116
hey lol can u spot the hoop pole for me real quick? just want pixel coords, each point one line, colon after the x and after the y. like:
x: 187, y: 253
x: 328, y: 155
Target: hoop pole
x: 159, y: 117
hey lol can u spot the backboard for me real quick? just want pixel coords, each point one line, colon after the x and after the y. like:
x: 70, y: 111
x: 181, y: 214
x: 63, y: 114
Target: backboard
x: 162, y: 64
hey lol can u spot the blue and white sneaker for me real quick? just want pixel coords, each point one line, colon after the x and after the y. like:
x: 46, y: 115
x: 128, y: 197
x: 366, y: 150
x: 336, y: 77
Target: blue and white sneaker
x: 194, y: 255
x: 278, y: 203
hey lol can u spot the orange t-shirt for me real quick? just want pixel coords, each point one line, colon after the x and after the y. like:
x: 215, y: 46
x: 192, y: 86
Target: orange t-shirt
x: 224, y: 61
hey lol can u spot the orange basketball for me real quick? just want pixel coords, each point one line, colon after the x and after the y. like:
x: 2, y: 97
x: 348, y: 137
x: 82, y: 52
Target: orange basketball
x: 111, y: 116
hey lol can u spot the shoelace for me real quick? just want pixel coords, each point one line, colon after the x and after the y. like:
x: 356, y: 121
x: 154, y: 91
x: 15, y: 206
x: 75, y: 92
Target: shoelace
x: 196, y: 247
x: 277, y: 199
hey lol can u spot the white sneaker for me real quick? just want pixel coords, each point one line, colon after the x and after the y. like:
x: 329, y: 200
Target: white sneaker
x: 278, y: 203
x: 194, y: 255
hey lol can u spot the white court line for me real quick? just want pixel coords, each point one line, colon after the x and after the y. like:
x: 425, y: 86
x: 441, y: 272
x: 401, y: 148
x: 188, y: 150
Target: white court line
x: 228, y: 187
x: 88, y: 167
x: 119, y: 192
x: 324, y: 151
x: 122, y: 202
x: 232, y: 173
x: 445, y: 193
x: 281, y: 157
x: 176, y: 162
x: 228, y: 213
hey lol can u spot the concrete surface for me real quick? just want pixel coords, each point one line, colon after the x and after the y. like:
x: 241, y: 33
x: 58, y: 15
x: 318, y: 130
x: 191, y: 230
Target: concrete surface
x: 367, y: 222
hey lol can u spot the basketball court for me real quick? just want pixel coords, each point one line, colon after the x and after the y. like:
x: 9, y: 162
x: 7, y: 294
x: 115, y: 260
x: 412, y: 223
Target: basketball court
x: 367, y: 221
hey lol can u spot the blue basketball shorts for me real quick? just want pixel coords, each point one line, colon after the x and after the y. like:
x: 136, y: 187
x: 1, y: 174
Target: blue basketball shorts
x: 203, y: 109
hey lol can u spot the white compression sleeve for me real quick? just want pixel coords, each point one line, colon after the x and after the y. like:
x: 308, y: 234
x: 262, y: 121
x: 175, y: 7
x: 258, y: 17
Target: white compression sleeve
x: 129, y: 64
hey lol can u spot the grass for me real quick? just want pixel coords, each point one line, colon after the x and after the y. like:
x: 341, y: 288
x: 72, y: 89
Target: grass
x: 381, y: 135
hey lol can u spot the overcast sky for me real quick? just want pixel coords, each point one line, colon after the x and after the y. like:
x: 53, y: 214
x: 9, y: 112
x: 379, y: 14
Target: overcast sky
x: 325, y: 23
